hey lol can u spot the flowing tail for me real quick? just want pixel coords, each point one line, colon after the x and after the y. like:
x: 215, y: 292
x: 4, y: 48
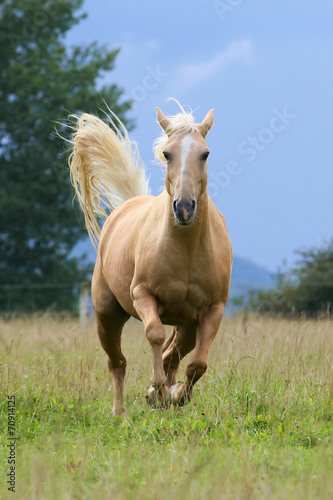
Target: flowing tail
x: 105, y: 168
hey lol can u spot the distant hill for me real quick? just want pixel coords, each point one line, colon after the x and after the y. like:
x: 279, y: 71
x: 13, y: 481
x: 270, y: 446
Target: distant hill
x: 244, y: 270
x: 247, y: 276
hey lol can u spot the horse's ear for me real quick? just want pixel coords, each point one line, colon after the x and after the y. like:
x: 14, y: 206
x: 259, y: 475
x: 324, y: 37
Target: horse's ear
x: 162, y: 119
x: 206, y: 123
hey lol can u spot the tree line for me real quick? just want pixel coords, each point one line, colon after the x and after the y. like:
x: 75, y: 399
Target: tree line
x: 305, y: 289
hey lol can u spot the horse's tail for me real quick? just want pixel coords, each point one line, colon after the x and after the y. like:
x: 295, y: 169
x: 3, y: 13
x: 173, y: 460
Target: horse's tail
x: 105, y: 168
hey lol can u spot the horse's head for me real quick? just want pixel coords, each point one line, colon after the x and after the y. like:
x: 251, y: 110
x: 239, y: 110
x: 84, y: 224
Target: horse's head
x: 184, y: 152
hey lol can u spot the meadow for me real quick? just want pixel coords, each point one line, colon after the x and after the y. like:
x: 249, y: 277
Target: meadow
x: 259, y: 425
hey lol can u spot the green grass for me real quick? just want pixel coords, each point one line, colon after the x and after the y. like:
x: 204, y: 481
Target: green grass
x: 259, y: 424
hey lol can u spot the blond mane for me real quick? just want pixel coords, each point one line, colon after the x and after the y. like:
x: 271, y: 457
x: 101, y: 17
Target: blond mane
x: 181, y: 123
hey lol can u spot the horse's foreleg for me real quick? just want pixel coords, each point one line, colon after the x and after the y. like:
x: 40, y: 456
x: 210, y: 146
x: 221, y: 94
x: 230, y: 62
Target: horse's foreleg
x: 180, y: 343
x: 209, y: 323
x: 146, y: 306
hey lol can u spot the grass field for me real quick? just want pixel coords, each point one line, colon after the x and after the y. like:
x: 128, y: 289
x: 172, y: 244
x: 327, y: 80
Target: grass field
x: 259, y: 425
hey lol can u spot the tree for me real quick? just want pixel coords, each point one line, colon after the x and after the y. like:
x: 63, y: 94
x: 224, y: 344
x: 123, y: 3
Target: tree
x: 306, y: 289
x: 41, y: 82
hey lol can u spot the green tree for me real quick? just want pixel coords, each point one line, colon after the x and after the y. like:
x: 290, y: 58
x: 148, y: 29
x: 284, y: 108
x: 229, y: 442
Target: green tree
x: 308, y: 288
x: 41, y: 82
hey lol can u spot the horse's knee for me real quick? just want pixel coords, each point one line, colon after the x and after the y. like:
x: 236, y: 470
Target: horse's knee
x: 195, y: 370
x: 117, y: 364
x: 155, y: 333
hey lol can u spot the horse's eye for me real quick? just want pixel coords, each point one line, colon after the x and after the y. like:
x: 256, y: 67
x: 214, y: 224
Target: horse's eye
x: 167, y: 155
x: 204, y: 156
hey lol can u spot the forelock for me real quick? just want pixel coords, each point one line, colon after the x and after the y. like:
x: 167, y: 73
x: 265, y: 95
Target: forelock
x: 180, y: 124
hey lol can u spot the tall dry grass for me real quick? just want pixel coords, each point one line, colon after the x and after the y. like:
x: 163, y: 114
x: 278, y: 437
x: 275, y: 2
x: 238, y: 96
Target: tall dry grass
x: 259, y: 424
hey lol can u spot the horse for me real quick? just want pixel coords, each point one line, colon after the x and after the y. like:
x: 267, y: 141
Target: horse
x: 164, y: 260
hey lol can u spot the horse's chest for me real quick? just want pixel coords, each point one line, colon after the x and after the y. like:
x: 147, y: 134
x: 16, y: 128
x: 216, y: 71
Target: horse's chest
x: 197, y: 296
x: 186, y: 292
x: 182, y: 301
x: 184, y: 284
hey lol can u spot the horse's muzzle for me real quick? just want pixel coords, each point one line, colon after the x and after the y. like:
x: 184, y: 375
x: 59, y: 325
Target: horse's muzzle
x: 184, y: 211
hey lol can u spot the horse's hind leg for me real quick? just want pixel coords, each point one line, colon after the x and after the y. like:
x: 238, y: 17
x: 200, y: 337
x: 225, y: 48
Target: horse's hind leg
x: 180, y: 343
x: 110, y: 318
x: 109, y: 328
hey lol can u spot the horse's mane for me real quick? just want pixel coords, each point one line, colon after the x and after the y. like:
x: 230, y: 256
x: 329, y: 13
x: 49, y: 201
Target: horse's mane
x: 181, y: 123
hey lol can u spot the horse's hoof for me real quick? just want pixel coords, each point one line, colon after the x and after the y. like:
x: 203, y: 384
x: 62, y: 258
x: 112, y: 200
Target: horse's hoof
x: 118, y: 410
x: 158, y: 397
x: 180, y: 395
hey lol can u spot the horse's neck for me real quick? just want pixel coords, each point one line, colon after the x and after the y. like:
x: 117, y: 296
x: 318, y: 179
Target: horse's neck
x: 190, y: 235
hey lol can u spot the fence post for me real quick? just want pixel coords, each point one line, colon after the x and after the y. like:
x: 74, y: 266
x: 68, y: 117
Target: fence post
x: 84, y: 302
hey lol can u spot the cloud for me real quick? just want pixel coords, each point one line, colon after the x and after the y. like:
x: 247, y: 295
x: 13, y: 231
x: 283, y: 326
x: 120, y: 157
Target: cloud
x: 133, y: 48
x: 190, y: 75
x: 135, y: 55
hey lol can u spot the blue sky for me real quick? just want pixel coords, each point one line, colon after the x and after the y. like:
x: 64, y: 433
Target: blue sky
x: 267, y: 70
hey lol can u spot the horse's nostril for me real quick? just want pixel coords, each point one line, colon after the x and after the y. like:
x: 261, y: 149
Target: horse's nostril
x: 193, y: 205
x: 174, y: 205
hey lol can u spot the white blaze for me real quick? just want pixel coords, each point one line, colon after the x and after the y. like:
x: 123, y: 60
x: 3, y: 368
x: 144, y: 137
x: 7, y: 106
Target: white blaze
x: 186, y: 146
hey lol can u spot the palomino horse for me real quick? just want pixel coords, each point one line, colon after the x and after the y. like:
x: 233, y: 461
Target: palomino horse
x: 164, y: 259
